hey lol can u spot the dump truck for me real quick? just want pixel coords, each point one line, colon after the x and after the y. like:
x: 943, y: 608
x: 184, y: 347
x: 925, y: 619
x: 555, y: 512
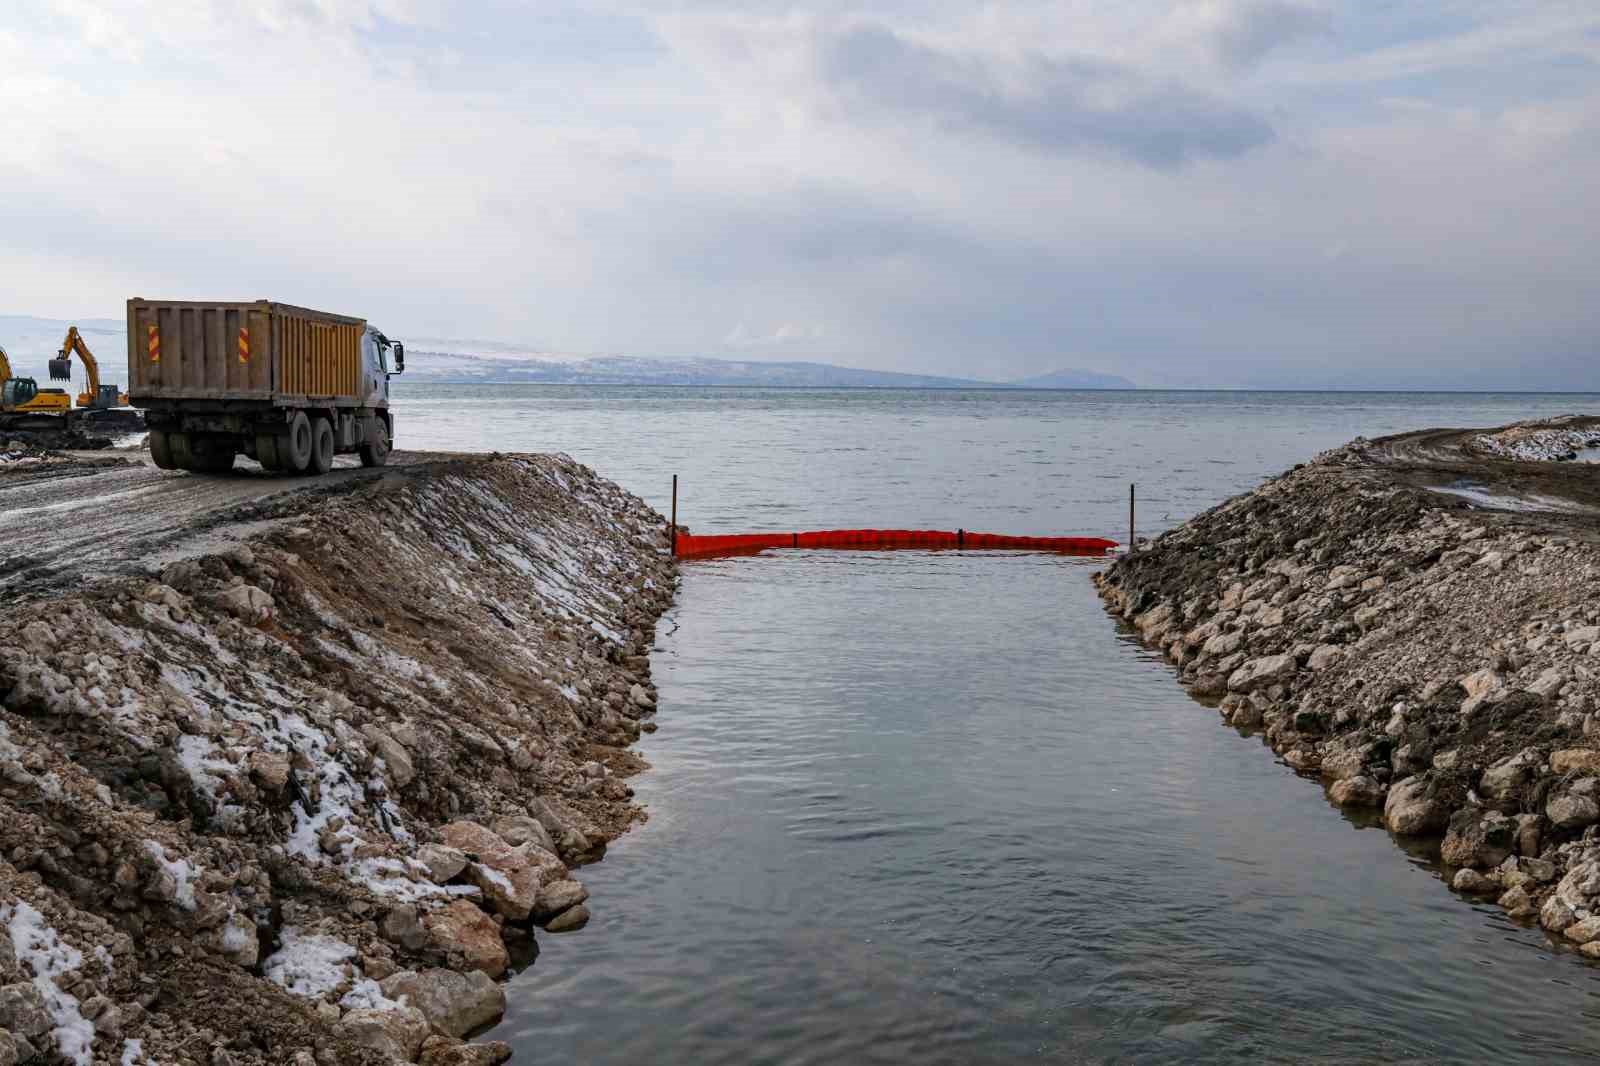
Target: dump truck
x: 285, y: 385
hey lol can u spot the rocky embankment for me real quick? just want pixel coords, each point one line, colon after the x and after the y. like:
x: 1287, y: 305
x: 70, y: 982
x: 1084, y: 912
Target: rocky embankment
x: 305, y: 800
x: 1431, y: 660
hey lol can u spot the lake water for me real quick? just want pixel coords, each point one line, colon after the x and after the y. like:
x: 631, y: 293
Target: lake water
x: 936, y: 808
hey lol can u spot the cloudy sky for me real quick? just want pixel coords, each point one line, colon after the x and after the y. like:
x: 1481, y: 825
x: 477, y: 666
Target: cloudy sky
x: 1187, y: 192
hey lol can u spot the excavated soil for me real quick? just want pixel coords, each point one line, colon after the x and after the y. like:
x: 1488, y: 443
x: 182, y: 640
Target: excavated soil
x: 1414, y: 621
x: 295, y: 792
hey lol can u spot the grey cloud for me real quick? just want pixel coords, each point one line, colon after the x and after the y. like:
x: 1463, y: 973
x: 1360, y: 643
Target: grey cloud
x: 1248, y: 29
x: 1044, y: 103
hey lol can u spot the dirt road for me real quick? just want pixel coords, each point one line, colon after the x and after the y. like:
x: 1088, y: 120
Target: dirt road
x: 1455, y: 464
x: 96, y: 514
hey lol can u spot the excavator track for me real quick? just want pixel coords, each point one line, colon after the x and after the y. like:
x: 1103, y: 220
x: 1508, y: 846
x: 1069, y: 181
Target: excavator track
x: 36, y: 422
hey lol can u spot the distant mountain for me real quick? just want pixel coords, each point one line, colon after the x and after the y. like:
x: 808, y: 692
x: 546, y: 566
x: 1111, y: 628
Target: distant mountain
x: 31, y: 341
x: 1074, y: 379
x: 433, y: 364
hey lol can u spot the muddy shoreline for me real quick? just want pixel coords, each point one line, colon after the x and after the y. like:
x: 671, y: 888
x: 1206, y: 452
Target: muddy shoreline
x: 1429, y: 656
x: 307, y: 786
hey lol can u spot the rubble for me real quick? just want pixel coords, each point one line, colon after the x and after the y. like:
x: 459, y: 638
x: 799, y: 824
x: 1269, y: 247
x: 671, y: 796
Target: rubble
x: 1541, y: 441
x: 1418, y: 654
x: 296, y: 801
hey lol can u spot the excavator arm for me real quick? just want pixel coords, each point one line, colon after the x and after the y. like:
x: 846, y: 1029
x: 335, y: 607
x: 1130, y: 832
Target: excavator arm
x: 61, y: 370
x: 5, y: 367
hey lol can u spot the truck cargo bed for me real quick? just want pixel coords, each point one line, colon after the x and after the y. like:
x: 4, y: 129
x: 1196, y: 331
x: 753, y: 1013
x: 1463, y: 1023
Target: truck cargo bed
x: 242, y: 354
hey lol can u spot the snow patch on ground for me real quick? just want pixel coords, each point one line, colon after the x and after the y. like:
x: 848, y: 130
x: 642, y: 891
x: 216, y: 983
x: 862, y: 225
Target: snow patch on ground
x: 309, y: 964
x: 195, y: 755
x: 366, y: 995
x: 184, y: 872
x: 1485, y: 497
x: 1530, y: 444
x: 495, y: 877
x: 389, y: 878
x: 44, y: 952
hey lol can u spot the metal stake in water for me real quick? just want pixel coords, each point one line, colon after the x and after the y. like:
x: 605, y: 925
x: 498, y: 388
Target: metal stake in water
x: 1130, y: 518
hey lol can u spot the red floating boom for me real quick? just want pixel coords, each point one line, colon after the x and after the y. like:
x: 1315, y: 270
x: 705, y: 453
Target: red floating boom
x: 688, y: 547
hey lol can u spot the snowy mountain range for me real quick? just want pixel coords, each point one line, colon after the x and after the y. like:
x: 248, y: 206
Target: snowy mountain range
x: 31, y: 341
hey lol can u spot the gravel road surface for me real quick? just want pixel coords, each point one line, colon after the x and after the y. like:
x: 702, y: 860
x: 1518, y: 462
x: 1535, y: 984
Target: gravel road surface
x: 94, y: 513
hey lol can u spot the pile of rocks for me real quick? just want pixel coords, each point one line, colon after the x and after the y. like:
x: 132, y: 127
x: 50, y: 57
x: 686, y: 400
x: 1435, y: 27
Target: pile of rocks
x: 1438, y: 663
x: 305, y: 800
x: 1538, y: 442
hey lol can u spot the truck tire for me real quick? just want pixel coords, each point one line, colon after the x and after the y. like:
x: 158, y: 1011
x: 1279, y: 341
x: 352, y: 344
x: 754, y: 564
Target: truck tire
x: 161, y: 450
x: 296, y: 456
x: 181, y: 445
x: 270, y: 449
x: 321, y: 446
x: 376, y: 451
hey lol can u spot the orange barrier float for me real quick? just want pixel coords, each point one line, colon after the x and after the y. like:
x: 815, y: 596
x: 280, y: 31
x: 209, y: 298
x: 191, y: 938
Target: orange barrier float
x: 690, y: 547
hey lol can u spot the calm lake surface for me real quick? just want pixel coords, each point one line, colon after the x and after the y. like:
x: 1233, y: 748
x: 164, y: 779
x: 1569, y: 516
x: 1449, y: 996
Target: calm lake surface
x: 935, y: 808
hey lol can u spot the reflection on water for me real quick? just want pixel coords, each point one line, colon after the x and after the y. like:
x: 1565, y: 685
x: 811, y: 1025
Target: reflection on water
x: 935, y: 808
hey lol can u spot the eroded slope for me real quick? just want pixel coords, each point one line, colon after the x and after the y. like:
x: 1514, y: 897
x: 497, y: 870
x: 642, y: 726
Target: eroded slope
x: 307, y: 796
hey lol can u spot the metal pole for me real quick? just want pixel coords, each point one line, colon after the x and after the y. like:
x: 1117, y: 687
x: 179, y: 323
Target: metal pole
x: 674, y: 514
x: 1131, y: 537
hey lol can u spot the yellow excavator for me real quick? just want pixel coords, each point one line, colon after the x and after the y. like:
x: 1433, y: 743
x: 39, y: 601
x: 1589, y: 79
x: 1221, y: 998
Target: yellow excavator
x: 94, y: 395
x: 24, y: 405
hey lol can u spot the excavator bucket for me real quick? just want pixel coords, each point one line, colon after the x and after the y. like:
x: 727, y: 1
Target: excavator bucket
x: 61, y: 369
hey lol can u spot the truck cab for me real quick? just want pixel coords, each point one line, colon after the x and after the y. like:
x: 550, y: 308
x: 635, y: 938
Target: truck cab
x: 380, y: 358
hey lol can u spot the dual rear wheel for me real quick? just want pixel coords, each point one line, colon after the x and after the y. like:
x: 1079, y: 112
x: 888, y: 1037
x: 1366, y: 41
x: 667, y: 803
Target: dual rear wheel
x: 305, y: 448
x: 200, y: 452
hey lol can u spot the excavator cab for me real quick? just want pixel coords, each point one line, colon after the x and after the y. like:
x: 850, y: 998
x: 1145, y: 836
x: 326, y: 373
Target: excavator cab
x: 24, y: 405
x: 17, y: 391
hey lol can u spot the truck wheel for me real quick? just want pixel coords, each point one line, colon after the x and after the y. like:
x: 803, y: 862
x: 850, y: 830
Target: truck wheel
x: 181, y: 445
x: 299, y: 444
x: 321, y: 446
x: 161, y: 449
x: 376, y: 451
x: 268, y: 452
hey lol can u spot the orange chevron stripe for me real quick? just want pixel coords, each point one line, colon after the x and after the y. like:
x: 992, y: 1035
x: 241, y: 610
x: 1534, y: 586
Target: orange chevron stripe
x: 154, y: 344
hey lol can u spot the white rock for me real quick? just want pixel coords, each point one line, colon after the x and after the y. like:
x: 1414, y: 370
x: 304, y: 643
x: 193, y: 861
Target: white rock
x: 453, y: 1003
x: 1223, y: 643
x: 1409, y: 811
x: 1502, y: 780
x: 1262, y: 672
x: 248, y: 602
x: 1548, y: 683
x: 443, y: 862
x: 396, y: 1033
x: 1324, y: 657
x: 558, y: 896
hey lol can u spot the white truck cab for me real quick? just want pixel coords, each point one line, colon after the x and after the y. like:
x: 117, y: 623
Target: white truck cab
x: 380, y: 358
